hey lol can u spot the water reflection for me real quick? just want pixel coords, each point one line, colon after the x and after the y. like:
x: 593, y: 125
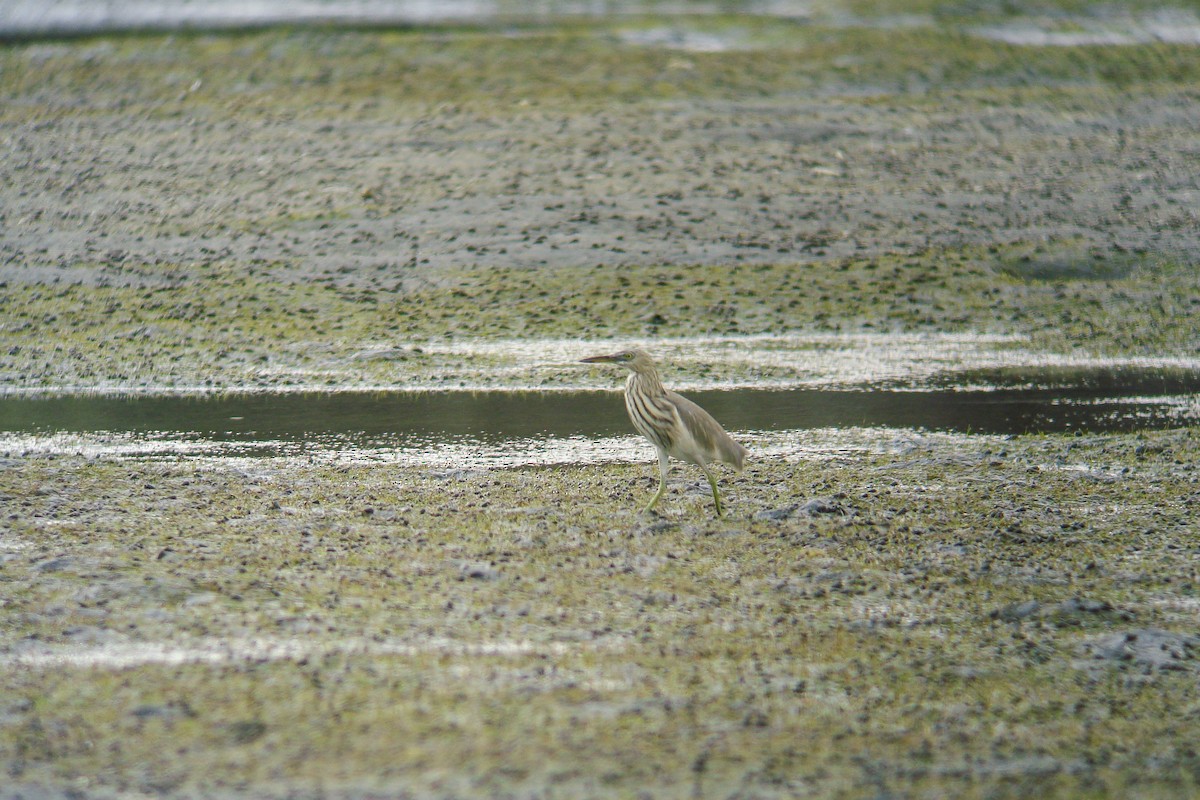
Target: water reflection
x: 40, y: 17
x: 990, y: 403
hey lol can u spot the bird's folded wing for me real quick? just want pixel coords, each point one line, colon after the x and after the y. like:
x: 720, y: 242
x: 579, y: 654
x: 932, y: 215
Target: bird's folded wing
x: 709, y: 437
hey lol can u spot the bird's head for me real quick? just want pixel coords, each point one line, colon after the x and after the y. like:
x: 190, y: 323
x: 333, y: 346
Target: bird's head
x: 636, y: 360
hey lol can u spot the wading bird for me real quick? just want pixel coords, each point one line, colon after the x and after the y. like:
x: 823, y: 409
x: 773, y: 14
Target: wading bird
x: 675, y: 425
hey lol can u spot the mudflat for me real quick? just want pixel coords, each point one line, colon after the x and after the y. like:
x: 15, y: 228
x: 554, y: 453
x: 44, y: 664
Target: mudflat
x: 310, y: 207
x: 881, y: 612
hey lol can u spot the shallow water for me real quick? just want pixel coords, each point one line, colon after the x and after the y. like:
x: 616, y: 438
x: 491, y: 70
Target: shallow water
x: 26, y: 17
x: 1091, y: 26
x: 996, y: 402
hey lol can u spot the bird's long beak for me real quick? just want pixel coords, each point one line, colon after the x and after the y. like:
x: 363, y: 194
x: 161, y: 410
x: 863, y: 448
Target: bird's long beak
x: 598, y: 359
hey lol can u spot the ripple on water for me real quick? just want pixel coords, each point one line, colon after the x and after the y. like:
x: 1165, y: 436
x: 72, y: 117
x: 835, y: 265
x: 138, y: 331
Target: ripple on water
x: 502, y: 429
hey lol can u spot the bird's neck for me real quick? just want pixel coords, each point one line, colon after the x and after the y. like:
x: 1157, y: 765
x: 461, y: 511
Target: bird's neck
x: 645, y: 383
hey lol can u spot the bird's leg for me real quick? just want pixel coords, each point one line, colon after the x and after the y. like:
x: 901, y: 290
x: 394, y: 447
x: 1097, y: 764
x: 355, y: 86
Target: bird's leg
x: 663, y: 467
x: 713, y: 483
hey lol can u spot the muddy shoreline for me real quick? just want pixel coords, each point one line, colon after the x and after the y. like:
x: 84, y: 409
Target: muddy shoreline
x: 427, y: 621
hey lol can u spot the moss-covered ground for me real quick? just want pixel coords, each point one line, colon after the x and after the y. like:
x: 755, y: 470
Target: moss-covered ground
x: 960, y: 616
x: 257, y: 209
x: 958, y: 619
x: 224, y: 331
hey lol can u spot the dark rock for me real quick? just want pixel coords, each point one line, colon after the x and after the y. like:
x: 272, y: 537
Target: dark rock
x: 820, y: 505
x: 1149, y: 648
x: 1083, y: 605
x: 478, y: 570
x: 777, y: 514
x: 167, y: 711
x: 55, y: 564
x: 1067, y: 612
x: 246, y: 731
x: 1014, y: 612
x: 812, y: 508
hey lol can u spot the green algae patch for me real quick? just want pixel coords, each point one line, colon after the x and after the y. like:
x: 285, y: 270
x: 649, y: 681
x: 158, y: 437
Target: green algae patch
x: 942, y: 621
x: 286, y: 71
x: 225, y: 331
x: 978, y: 289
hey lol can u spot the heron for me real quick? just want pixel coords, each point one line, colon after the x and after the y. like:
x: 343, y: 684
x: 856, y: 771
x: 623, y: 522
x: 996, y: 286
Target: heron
x: 674, y: 425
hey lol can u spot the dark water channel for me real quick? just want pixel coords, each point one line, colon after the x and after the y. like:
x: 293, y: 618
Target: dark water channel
x: 993, y: 403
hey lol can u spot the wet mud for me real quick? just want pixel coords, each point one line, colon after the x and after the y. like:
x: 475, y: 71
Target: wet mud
x: 230, y: 212
x: 883, y: 611
x: 428, y: 620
